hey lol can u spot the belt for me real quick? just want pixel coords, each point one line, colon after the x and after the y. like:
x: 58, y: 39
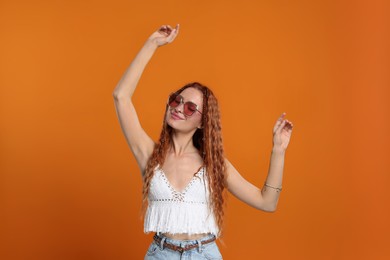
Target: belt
x: 179, y: 248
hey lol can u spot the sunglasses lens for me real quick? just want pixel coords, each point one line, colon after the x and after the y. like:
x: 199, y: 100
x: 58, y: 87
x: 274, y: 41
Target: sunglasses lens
x: 174, y: 100
x: 189, y: 108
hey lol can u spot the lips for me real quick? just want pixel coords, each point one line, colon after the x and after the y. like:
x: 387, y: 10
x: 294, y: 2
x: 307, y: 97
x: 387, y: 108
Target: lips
x: 176, y: 116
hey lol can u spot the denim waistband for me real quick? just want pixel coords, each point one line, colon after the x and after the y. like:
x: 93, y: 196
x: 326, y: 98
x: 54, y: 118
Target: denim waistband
x: 183, y: 243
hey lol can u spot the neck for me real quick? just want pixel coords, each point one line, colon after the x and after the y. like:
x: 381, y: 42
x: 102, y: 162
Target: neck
x: 182, y: 143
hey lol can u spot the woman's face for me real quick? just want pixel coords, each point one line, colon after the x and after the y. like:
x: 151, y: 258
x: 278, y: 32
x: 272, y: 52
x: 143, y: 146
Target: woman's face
x: 176, y: 117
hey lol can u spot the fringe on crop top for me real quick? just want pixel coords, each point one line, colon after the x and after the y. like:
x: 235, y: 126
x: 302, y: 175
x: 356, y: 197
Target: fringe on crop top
x: 179, y: 212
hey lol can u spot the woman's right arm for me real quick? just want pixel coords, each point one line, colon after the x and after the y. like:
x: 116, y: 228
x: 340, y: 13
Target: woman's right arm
x: 139, y: 142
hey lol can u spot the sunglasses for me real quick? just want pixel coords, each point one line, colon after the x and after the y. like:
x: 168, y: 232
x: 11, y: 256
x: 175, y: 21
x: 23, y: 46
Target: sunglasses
x: 189, y: 107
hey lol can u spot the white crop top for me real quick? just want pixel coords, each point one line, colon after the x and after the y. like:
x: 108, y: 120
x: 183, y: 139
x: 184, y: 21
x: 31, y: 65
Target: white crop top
x: 179, y: 212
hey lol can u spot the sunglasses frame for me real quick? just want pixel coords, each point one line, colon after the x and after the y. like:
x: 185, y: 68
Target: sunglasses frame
x: 182, y: 102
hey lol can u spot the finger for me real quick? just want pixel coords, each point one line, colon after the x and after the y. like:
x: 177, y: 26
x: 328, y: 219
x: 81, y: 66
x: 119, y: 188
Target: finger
x: 169, y: 29
x: 280, y: 120
x: 276, y: 126
x: 289, y: 124
x: 175, y: 34
x: 172, y: 36
x: 289, y: 127
x: 166, y: 28
x: 282, y: 116
x: 177, y: 28
x: 279, y: 129
x: 163, y: 29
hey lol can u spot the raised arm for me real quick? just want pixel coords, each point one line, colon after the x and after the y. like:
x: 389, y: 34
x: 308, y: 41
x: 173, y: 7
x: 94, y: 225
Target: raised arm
x: 267, y: 198
x: 139, y: 142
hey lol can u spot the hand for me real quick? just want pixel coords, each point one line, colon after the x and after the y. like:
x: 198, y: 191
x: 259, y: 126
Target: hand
x: 164, y: 35
x: 282, y: 132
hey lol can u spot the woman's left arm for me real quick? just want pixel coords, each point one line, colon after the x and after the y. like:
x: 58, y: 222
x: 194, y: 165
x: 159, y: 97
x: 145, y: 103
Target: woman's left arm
x: 281, y: 137
x: 267, y: 198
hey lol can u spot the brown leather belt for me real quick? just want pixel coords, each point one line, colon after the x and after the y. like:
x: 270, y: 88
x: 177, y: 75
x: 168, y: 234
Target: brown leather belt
x: 179, y: 248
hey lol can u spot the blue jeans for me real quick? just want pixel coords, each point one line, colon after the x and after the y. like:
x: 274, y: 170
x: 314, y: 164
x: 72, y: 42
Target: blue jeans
x: 207, y: 251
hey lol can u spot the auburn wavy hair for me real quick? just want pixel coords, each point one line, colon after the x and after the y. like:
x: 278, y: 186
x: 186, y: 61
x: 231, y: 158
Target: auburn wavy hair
x: 208, y: 141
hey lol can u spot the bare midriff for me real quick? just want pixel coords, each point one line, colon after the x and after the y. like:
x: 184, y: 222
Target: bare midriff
x: 185, y: 236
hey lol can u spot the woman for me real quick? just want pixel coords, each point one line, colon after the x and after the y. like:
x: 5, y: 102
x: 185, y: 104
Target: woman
x: 185, y: 172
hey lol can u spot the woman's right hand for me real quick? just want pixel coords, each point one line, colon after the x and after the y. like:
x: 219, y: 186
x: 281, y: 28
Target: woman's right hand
x: 164, y: 35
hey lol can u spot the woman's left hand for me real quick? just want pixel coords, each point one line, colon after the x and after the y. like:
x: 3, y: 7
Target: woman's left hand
x: 282, y: 132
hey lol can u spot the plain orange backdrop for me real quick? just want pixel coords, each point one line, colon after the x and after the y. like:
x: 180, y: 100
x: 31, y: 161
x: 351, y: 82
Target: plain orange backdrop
x: 70, y: 187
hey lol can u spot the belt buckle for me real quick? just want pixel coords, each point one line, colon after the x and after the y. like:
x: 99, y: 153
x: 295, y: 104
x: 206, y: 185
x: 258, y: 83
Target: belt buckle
x: 180, y: 249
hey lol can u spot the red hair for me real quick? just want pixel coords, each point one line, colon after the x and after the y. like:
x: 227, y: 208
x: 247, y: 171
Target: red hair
x: 208, y: 141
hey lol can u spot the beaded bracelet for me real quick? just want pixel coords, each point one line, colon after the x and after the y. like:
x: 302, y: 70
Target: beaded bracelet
x: 279, y: 189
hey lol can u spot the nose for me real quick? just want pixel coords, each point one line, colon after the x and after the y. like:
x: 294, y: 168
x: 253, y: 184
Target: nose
x: 180, y: 107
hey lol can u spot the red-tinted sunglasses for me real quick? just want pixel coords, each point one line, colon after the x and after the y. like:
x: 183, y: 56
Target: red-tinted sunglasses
x: 189, y: 107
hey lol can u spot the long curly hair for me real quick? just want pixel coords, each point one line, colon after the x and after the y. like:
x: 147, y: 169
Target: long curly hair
x: 208, y: 141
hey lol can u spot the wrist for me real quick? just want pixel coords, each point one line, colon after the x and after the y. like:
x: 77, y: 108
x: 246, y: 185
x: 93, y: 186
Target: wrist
x: 279, y: 150
x: 151, y: 43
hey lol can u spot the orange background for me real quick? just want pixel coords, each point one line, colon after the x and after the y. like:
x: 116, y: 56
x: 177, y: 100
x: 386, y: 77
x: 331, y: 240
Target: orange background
x: 70, y: 187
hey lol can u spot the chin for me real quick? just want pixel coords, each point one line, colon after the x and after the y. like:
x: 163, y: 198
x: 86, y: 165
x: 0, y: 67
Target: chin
x: 172, y: 123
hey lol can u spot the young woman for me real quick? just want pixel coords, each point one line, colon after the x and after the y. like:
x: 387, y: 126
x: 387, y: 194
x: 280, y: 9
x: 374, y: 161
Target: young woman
x: 185, y: 172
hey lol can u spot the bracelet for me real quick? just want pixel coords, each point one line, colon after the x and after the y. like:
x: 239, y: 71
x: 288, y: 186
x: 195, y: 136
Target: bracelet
x: 279, y: 189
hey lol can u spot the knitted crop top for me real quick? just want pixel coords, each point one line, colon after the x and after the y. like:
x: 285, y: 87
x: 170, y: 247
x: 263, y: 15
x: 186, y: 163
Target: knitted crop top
x: 179, y: 212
